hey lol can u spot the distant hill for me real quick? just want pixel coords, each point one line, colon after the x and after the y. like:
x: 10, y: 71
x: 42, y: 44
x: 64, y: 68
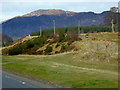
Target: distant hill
x: 5, y: 39
x: 31, y: 22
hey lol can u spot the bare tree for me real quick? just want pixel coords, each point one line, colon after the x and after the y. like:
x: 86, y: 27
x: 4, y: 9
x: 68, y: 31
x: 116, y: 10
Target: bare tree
x: 114, y: 9
x: 112, y: 22
x: 111, y: 16
x: 78, y: 29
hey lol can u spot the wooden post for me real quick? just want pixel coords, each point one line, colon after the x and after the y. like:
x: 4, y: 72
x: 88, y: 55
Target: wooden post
x: 54, y: 26
x: 112, y: 25
x: 78, y: 29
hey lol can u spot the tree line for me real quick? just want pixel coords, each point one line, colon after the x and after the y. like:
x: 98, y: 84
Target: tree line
x: 74, y: 30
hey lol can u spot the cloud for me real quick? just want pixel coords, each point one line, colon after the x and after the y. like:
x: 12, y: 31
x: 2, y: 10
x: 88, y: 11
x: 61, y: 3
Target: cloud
x: 0, y: 10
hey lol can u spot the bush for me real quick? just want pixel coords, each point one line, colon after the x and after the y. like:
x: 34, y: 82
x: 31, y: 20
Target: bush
x: 15, y: 50
x: 63, y: 47
x: 39, y: 41
x: 29, y: 44
x: 48, y: 50
x: 5, y: 44
x: 61, y: 36
x: 42, y: 40
x: 48, y: 36
x: 36, y: 41
x: 67, y: 37
x: 73, y: 35
x: 55, y: 38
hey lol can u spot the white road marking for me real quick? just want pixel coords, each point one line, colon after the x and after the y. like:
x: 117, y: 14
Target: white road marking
x: 22, y: 82
x: 7, y: 76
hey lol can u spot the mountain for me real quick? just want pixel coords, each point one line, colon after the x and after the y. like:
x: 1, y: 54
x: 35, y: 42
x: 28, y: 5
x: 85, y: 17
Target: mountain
x: 23, y: 25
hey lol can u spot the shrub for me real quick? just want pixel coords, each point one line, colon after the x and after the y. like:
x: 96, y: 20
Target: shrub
x: 61, y: 36
x: 67, y: 38
x: 36, y: 41
x: 56, y: 37
x: 39, y: 41
x: 63, y: 47
x: 73, y: 35
x: 15, y: 50
x: 5, y: 44
x: 48, y: 50
x: 42, y: 40
x: 51, y: 35
x: 48, y: 36
x: 29, y: 44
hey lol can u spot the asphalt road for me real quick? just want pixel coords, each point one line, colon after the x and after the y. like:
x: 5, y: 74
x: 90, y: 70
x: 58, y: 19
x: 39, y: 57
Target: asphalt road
x: 10, y: 80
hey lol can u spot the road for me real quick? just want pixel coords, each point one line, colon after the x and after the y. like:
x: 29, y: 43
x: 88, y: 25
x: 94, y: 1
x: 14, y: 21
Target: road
x: 10, y: 80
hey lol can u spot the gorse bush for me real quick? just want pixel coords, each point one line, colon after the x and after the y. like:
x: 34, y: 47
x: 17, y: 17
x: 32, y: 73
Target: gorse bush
x: 39, y: 41
x: 15, y: 50
x: 42, y: 40
x: 67, y: 36
x: 36, y: 41
x: 5, y: 44
x: 29, y: 44
x: 61, y: 36
x: 48, y: 50
x: 64, y: 47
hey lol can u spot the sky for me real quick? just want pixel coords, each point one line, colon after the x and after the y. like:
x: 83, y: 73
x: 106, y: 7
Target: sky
x: 13, y: 8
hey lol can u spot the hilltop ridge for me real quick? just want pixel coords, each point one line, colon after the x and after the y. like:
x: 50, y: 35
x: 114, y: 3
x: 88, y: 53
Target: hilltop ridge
x: 50, y: 12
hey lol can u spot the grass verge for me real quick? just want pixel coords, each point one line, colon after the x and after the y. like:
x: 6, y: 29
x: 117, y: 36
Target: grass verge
x: 65, y: 70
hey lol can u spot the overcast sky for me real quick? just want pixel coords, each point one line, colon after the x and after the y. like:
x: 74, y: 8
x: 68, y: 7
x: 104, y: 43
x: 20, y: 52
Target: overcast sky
x: 12, y: 8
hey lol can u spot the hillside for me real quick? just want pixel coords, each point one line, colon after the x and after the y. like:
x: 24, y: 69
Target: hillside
x: 40, y: 45
x: 5, y: 40
x: 26, y: 24
x: 89, y: 43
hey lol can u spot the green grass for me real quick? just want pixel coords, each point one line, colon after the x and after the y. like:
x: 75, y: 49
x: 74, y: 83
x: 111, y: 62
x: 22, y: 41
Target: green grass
x: 65, y: 70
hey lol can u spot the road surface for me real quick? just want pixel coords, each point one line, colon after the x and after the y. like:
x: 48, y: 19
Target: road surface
x: 10, y: 80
